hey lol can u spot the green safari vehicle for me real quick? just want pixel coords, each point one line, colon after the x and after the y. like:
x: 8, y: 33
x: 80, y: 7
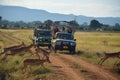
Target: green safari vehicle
x: 42, y: 37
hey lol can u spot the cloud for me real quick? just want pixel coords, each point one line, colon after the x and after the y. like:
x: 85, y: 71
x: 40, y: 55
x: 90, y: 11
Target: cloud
x: 78, y: 7
x: 94, y: 9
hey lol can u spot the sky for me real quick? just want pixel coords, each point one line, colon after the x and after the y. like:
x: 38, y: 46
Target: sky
x: 92, y: 8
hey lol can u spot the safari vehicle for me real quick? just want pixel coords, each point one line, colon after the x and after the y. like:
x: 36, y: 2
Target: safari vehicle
x: 64, y: 41
x: 42, y: 37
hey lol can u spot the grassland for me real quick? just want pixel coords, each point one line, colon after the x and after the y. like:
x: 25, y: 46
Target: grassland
x: 90, y: 46
x: 14, y: 64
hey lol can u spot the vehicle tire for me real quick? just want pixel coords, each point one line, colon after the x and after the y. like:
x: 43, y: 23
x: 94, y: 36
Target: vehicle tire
x: 55, y: 51
x: 49, y: 47
x: 72, y: 51
x: 53, y: 48
x: 36, y: 45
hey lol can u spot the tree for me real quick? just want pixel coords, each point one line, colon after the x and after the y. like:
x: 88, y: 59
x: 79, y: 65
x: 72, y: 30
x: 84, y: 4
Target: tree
x: 73, y: 24
x: 48, y: 23
x: 0, y: 20
x: 37, y: 23
x: 116, y: 27
x: 94, y: 24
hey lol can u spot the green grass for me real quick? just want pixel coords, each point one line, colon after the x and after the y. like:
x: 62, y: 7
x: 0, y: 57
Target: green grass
x: 91, y: 45
x: 2, y: 70
x: 93, y: 42
x: 1, y: 40
x: 14, y: 65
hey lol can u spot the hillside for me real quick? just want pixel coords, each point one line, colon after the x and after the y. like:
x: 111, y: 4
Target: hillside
x: 16, y: 13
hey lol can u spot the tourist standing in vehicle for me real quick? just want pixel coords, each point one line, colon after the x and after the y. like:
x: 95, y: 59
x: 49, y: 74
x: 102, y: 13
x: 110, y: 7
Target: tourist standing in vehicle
x: 69, y: 30
x: 63, y: 29
x: 54, y: 29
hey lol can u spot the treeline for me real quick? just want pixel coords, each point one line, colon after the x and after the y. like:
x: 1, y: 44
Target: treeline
x: 97, y: 26
x: 93, y: 26
x: 5, y: 24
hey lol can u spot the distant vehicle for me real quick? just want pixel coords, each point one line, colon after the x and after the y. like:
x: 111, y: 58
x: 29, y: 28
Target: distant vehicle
x: 42, y: 37
x: 64, y: 41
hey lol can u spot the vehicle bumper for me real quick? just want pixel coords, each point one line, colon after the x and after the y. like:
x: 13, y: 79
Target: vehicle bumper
x: 43, y: 44
x: 64, y: 47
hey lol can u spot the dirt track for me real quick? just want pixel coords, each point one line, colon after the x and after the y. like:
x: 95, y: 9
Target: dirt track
x: 57, y: 62
x: 11, y: 38
x: 98, y: 70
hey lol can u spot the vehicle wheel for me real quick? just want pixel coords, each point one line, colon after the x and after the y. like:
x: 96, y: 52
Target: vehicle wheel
x: 72, y: 51
x: 53, y: 48
x: 37, y: 46
x: 49, y: 47
x: 55, y: 51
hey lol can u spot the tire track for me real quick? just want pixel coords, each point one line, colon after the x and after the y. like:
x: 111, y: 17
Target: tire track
x: 11, y: 38
x: 95, y: 69
x: 56, y: 61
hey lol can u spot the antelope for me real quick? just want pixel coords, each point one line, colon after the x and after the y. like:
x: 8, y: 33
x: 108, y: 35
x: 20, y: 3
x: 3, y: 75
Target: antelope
x: 109, y: 55
x: 44, y: 52
x: 31, y: 62
x: 17, y: 50
x: 12, y: 47
x: 117, y: 65
x: 21, y: 49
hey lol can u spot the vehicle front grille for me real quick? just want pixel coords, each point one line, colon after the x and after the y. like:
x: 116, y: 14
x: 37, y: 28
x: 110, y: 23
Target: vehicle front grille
x: 65, y: 43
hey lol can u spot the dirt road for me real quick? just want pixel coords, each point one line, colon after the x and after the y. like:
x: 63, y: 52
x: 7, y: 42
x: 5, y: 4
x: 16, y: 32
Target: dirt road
x: 97, y: 72
x: 65, y: 68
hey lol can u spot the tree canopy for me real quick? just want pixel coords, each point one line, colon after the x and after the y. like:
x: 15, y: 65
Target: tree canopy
x: 94, y: 24
x: 0, y: 17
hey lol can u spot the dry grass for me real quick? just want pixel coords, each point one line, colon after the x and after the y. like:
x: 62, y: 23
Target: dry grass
x: 97, y: 41
x: 14, y: 64
x: 90, y: 46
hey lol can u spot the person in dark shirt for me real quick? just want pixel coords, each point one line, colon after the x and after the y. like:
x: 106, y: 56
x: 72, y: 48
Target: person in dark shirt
x: 69, y: 30
x: 63, y: 29
x: 54, y: 29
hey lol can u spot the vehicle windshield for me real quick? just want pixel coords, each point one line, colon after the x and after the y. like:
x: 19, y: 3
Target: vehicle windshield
x: 44, y: 34
x: 64, y: 36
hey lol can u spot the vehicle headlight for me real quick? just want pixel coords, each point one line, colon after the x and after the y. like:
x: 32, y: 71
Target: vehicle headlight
x: 39, y: 39
x: 72, y: 44
x: 58, y: 43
